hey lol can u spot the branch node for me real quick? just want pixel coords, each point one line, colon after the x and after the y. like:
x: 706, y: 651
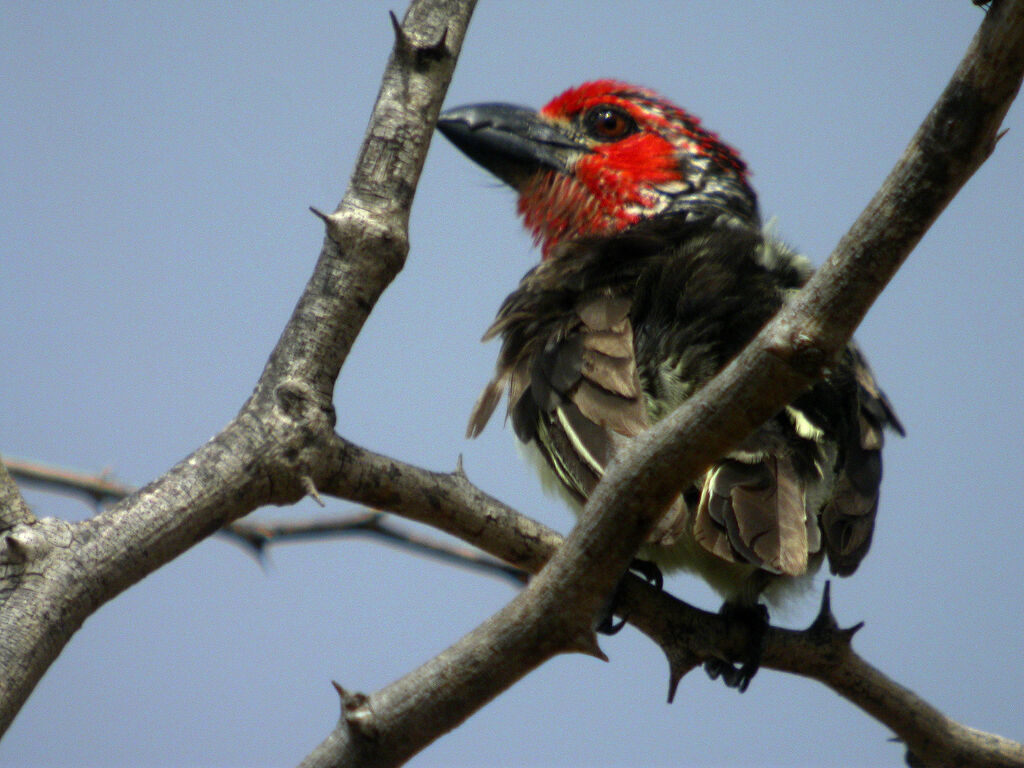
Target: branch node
x: 357, y: 713
x: 255, y: 539
x: 799, y: 349
x: 825, y: 624
x: 355, y: 709
x: 300, y: 403
x: 310, y: 487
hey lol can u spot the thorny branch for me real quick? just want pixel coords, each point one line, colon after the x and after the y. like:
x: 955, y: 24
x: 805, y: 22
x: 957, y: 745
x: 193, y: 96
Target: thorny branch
x: 53, y: 574
x: 256, y: 536
x: 292, y: 409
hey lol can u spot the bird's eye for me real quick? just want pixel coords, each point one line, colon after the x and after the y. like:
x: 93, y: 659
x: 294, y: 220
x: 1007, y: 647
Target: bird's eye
x: 608, y: 123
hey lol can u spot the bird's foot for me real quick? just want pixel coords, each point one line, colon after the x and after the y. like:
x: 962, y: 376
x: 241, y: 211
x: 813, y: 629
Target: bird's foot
x: 739, y: 672
x: 646, y: 570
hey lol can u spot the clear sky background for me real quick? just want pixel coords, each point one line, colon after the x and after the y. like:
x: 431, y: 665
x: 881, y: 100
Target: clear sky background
x: 157, y: 164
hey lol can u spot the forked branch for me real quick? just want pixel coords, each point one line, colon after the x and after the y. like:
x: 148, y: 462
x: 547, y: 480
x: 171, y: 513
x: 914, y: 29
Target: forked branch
x: 282, y: 443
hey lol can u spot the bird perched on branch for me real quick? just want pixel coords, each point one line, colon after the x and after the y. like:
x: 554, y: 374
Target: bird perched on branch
x: 655, y: 272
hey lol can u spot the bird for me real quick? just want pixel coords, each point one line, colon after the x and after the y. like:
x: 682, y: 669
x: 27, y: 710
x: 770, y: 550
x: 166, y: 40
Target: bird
x: 655, y: 271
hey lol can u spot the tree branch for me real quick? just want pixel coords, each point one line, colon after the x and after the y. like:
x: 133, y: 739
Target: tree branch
x: 687, y: 635
x: 556, y: 612
x: 96, y: 488
x: 273, y: 450
x: 257, y: 536
x: 282, y: 442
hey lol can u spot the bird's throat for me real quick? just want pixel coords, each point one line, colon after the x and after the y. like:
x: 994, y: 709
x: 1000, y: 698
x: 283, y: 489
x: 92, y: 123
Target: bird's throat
x: 557, y: 208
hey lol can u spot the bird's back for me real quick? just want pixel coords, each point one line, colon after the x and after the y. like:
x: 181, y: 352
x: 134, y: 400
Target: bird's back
x: 609, y: 335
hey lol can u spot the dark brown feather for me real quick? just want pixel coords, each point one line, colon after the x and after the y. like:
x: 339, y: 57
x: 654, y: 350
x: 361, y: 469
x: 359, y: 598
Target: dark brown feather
x: 609, y: 335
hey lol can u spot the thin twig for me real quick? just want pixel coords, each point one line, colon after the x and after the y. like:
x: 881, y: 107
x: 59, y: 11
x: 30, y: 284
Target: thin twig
x: 256, y: 536
x: 97, y: 488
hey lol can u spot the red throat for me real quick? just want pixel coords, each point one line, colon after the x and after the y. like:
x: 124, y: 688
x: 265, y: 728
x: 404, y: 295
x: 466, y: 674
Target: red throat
x: 610, y: 190
x: 556, y: 208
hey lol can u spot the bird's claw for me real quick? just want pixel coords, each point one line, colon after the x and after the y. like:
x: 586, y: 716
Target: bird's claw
x: 651, y: 573
x: 739, y: 672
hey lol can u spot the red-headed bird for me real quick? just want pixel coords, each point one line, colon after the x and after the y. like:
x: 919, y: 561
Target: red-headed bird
x: 656, y: 272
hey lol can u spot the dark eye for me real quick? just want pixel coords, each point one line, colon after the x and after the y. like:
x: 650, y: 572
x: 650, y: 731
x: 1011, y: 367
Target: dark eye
x: 608, y: 123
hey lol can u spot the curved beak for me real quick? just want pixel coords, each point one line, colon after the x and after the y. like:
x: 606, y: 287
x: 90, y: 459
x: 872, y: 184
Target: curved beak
x: 513, y: 143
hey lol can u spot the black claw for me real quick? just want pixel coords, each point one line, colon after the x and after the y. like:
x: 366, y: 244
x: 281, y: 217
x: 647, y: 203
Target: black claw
x: 608, y: 625
x: 739, y: 672
x: 650, y: 573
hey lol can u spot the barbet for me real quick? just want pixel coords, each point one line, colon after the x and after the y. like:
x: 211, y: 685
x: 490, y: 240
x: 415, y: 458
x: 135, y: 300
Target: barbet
x: 656, y: 271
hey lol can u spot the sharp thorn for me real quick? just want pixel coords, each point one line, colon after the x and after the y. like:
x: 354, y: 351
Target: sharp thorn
x: 401, y: 39
x: 438, y: 49
x: 824, y: 621
x: 586, y: 643
x: 673, y: 686
x: 310, y: 486
x: 677, y: 670
x: 848, y: 633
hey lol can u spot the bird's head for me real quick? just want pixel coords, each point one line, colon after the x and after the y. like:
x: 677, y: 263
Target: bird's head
x: 602, y: 158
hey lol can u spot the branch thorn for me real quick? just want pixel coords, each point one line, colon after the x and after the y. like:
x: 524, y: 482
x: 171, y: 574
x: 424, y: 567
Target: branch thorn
x: 310, y: 486
x: 678, y: 666
x: 848, y: 633
x: 825, y: 621
x: 401, y: 39
x: 586, y: 642
x: 437, y: 50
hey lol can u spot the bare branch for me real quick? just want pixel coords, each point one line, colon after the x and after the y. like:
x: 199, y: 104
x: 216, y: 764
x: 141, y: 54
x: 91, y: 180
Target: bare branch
x: 553, y: 614
x: 282, y: 442
x: 97, y: 488
x: 687, y: 635
x: 449, y: 502
x: 284, y: 433
x: 258, y: 536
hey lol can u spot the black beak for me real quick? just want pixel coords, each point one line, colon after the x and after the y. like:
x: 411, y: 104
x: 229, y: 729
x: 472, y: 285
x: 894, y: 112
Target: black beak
x: 511, y: 142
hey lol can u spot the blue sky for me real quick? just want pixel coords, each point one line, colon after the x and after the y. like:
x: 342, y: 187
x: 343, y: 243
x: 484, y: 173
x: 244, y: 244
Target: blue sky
x: 158, y: 161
